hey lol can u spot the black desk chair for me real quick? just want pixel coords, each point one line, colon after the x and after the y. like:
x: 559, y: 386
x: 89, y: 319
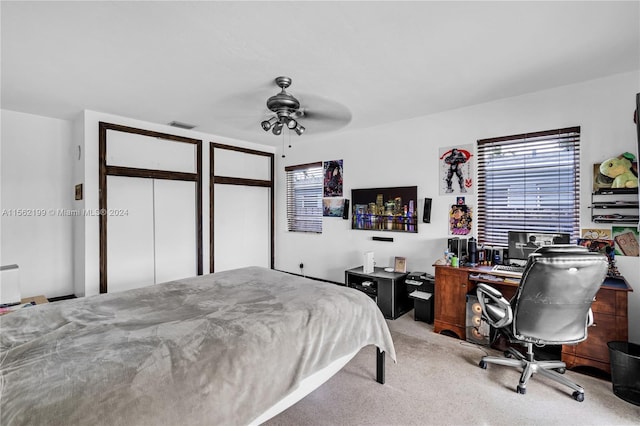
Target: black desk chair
x: 551, y: 306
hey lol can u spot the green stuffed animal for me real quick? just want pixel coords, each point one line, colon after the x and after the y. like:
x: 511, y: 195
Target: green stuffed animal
x: 619, y: 169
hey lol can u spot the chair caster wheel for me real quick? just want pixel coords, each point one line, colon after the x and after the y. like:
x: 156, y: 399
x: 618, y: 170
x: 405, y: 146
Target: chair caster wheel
x: 578, y: 396
x: 521, y: 390
x: 483, y: 365
x: 561, y: 370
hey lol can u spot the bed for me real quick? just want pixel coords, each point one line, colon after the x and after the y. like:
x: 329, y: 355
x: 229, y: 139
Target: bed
x: 229, y: 348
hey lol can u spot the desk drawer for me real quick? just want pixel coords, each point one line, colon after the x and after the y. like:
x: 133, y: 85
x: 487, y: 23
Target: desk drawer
x: 605, y: 302
x: 595, y: 347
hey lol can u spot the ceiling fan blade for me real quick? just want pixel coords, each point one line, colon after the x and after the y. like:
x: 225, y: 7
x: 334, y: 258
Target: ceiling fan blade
x: 247, y: 110
x: 322, y: 114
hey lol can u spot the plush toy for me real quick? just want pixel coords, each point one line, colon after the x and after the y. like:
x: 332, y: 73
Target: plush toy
x: 619, y: 169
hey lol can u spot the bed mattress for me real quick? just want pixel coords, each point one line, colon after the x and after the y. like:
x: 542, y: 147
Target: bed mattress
x: 215, y: 349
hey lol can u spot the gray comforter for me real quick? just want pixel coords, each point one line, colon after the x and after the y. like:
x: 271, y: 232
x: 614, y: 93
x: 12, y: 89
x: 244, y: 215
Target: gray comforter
x: 216, y: 350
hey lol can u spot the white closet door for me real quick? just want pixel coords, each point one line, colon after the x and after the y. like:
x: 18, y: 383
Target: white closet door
x: 130, y: 262
x: 242, y: 226
x: 175, y: 229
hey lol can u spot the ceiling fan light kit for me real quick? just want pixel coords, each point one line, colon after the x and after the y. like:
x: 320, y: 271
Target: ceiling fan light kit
x: 285, y: 106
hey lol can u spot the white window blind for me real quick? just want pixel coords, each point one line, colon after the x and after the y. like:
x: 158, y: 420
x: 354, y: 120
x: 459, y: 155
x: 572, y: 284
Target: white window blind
x: 529, y: 182
x: 304, y: 197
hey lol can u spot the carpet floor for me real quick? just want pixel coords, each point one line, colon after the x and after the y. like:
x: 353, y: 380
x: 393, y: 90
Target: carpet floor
x: 437, y: 381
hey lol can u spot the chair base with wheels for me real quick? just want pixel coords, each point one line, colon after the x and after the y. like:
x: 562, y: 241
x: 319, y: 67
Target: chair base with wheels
x: 554, y: 370
x: 552, y: 306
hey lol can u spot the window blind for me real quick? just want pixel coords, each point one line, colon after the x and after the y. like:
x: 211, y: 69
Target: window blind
x: 304, y: 197
x: 529, y: 182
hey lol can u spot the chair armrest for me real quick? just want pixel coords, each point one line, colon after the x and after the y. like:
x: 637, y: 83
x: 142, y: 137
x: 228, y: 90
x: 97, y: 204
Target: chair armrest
x: 495, y: 308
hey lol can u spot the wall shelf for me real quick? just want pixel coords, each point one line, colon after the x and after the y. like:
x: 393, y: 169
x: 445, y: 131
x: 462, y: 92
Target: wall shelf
x: 615, y: 206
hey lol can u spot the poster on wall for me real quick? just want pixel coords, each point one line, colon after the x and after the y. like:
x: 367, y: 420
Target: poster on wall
x: 596, y: 233
x: 332, y: 207
x: 456, y: 169
x: 333, y: 178
x: 626, y: 239
x: 460, y: 219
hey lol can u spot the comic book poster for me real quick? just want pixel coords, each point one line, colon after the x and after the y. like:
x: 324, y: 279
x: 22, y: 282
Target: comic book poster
x: 596, y: 234
x: 606, y: 247
x: 460, y: 219
x: 626, y: 239
x: 333, y: 178
x: 456, y: 170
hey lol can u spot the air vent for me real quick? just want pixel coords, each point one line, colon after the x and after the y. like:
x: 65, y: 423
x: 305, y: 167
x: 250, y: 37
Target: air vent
x: 182, y: 125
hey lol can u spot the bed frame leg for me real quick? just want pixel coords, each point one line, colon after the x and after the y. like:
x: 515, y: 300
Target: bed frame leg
x: 379, y: 366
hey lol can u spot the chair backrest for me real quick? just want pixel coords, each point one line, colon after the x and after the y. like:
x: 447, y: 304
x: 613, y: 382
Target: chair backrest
x: 555, y: 294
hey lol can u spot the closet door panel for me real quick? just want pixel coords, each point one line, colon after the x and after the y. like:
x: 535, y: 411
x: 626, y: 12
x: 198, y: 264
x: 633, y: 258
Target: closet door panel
x: 231, y: 163
x: 130, y: 262
x: 146, y: 152
x: 242, y: 226
x: 175, y: 229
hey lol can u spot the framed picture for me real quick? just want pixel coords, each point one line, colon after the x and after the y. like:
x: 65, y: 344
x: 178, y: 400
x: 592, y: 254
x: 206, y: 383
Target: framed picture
x: 332, y: 207
x: 385, y: 209
x: 400, y: 265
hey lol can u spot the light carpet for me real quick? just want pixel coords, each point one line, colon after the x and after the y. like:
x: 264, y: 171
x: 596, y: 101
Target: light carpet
x: 437, y: 381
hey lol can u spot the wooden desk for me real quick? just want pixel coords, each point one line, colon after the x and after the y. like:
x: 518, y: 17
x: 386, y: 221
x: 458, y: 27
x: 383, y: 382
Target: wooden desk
x: 609, y: 311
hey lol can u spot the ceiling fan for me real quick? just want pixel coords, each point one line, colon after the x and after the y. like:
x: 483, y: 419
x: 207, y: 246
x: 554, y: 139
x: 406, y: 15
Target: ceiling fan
x: 286, y: 108
x: 288, y: 111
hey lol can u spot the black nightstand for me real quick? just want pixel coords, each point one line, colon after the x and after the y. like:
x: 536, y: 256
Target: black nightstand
x: 388, y: 289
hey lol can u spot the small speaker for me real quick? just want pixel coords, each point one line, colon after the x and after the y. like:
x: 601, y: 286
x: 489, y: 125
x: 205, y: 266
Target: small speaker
x: 426, y: 213
x: 345, y: 211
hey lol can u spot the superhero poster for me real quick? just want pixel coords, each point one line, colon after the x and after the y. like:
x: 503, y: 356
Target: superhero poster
x: 456, y: 170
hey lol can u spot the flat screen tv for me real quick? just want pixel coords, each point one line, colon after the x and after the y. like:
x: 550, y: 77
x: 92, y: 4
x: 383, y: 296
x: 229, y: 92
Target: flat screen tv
x: 385, y: 209
x: 523, y: 243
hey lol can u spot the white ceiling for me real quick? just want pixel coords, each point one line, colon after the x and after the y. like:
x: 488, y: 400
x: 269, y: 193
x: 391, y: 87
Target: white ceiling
x: 212, y: 63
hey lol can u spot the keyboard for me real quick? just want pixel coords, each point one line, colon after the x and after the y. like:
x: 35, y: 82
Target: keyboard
x: 511, y: 270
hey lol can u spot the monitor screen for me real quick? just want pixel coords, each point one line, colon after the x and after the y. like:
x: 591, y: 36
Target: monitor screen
x: 523, y: 243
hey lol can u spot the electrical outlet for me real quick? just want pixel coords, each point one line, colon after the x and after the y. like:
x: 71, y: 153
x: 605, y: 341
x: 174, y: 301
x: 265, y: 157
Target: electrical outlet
x: 301, y: 265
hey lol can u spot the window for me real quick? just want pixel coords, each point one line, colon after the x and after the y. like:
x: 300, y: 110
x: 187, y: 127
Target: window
x: 529, y: 182
x: 304, y: 197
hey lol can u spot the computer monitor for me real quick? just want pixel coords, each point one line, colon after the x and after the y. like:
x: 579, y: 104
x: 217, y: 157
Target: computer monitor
x: 523, y: 243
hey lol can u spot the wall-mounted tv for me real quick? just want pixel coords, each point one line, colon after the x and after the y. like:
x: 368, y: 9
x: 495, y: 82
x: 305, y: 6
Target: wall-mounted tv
x: 385, y: 209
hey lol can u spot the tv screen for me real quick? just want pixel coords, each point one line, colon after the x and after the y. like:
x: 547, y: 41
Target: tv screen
x: 385, y: 209
x: 523, y: 243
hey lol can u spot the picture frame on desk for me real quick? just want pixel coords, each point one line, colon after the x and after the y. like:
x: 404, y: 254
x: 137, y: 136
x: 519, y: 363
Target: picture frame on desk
x: 400, y: 265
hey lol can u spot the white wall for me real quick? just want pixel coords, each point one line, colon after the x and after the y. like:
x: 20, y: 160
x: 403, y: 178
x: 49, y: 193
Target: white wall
x: 37, y: 179
x: 405, y: 153
x: 42, y: 159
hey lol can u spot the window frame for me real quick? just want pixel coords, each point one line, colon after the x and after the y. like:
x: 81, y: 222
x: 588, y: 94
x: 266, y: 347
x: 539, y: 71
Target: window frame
x: 309, y: 220
x: 536, y: 206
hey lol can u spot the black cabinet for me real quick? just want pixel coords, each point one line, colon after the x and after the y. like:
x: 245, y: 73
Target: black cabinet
x: 388, y: 289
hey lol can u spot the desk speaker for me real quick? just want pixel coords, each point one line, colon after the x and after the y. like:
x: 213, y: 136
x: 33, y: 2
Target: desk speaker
x: 477, y: 328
